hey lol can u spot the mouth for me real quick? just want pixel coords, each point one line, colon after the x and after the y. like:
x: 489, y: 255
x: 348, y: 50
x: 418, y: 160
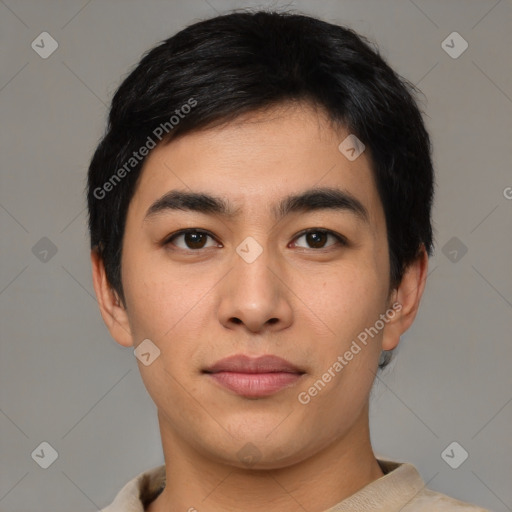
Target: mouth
x: 254, y: 377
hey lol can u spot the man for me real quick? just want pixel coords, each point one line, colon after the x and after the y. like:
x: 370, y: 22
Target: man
x: 259, y: 211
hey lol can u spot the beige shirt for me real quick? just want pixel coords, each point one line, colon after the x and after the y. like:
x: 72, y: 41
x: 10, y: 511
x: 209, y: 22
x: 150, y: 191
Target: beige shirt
x: 401, y: 489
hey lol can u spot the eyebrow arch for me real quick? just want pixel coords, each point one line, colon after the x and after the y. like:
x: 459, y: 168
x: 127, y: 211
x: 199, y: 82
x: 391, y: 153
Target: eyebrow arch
x: 319, y: 198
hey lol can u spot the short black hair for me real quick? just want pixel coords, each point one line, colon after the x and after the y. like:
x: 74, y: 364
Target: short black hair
x: 213, y: 71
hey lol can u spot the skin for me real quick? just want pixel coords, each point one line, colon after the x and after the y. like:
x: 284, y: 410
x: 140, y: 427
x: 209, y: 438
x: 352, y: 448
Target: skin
x: 301, y: 303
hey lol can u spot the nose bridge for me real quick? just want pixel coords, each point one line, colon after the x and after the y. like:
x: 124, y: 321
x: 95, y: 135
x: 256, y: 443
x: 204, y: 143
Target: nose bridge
x: 251, y: 274
x: 253, y: 295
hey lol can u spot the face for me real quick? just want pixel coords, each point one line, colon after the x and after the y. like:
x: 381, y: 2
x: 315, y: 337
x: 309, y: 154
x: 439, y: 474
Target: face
x: 301, y: 283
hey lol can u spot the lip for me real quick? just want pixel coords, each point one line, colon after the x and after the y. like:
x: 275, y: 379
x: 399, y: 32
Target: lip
x: 241, y: 363
x: 254, y: 377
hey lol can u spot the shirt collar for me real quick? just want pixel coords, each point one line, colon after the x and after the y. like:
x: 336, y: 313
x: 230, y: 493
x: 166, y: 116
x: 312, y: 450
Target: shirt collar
x: 399, y: 485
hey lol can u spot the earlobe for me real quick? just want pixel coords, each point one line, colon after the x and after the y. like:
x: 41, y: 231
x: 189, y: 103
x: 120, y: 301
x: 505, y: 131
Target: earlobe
x: 407, y: 298
x: 112, y: 311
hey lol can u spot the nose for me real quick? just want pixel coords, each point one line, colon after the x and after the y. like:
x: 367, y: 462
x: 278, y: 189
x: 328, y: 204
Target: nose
x: 254, y: 295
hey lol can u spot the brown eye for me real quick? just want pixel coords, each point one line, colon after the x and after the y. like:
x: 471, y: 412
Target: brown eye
x: 193, y: 239
x: 317, y: 238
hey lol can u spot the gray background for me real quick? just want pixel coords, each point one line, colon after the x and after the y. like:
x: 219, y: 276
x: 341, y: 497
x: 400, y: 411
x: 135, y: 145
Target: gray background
x: 64, y: 381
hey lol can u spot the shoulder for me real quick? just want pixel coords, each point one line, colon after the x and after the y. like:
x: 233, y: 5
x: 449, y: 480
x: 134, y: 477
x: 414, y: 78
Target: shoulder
x: 404, y: 483
x: 138, y: 492
x: 428, y: 500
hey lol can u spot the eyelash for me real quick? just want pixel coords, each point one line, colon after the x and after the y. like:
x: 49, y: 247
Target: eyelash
x: 341, y: 240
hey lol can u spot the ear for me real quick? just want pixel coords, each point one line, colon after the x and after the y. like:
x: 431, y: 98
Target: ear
x: 111, y: 308
x: 407, y: 300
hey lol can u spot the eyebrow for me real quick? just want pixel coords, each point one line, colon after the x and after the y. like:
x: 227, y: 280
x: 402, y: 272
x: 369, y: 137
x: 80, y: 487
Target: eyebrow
x: 322, y: 198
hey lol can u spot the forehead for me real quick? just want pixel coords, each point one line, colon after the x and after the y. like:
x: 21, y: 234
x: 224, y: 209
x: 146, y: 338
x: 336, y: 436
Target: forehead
x: 257, y: 160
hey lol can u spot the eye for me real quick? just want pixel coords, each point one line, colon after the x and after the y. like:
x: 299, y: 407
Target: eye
x: 193, y: 239
x: 317, y: 238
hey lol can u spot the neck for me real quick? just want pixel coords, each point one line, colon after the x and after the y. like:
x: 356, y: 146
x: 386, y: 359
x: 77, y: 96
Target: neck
x: 315, y: 484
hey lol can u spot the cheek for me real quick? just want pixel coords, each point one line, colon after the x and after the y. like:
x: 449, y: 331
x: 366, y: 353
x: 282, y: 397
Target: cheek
x: 158, y: 302
x: 346, y: 299
x: 352, y: 303
x: 165, y: 308
x: 170, y: 304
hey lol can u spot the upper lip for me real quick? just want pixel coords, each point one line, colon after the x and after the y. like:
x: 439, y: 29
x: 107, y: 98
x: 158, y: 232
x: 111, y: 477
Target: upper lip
x: 241, y: 363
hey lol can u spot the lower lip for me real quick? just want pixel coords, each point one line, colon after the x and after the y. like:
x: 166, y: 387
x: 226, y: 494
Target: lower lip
x: 255, y: 385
